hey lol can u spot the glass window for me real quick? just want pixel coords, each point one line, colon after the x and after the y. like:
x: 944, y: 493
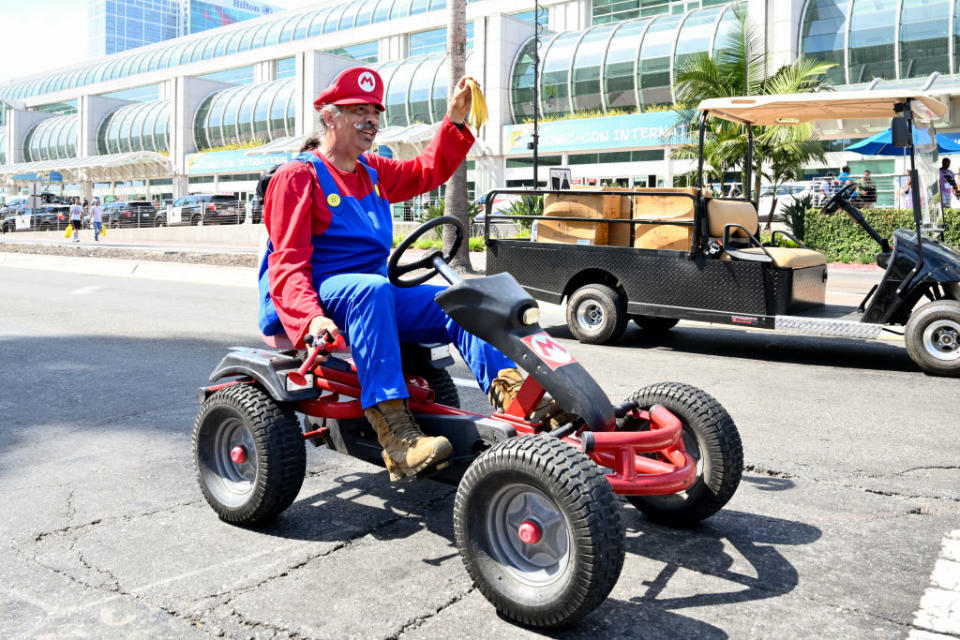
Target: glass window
x: 260, y: 36
x: 286, y: 68
x: 349, y: 17
x: 923, y: 38
x: 113, y: 133
x: 728, y: 22
x: 553, y: 81
x: 161, y: 129
x: 696, y: 35
x: 261, y: 114
x: 72, y: 140
x: 419, y: 98
x: 872, y: 34
x: 231, y: 117
x: 419, y: 6
x: 304, y: 25
x: 386, y: 73
x: 273, y: 35
x: 289, y: 26
x: 233, y: 42
x: 655, y: 55
x: 521, y: 82
x: 382, y: 11
x: 365, y: 14
x: 395, y: 99
x: 333, y: 18
x: 620, y: 74
x: 125, y: 123
x: 822, y: 35
x: 200, y: 124
x: 400, y: 8
x: 246, y: 40
x: 245, y: 115
x: 215, y: 118
x: 436, y: 5
x: 278, y: 110
x: 586, y: 68
x: 316, y: 27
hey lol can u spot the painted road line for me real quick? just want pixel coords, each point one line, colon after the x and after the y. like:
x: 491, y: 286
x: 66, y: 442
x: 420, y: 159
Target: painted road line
x: 939, y: 613
x: 466, y: 382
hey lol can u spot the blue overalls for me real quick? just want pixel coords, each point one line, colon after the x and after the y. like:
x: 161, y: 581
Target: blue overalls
x: 349, y: 264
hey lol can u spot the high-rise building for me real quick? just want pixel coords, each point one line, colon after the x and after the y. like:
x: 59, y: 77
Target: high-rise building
x: 118, y: 25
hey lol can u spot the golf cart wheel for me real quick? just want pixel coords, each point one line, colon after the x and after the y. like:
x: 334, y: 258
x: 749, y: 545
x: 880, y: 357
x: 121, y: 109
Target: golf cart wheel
x: 933, y: 337
x: 711, y: 437
x: 654, y: 325
x: 249, y: 454
x: 596, y: 314
x: 444, y: 389
x: 539, y: 530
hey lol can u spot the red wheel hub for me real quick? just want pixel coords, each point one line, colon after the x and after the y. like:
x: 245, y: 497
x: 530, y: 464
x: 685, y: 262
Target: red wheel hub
x: 238, y: 454
x: 529, y: 532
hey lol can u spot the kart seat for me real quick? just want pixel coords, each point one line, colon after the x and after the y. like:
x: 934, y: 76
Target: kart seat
x: 720, y: 213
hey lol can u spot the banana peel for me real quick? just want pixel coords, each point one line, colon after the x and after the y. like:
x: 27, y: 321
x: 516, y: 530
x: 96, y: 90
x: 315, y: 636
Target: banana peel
x: 478, y: 109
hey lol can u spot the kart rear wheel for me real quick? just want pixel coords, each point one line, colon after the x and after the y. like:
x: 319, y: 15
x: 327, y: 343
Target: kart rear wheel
x: 596, y: 314
x: 932, y: 337
x: 655, y: 326
x: 249, y: 454
x: 711, y: 437
x: 444, y: 388
x: 539, y: 530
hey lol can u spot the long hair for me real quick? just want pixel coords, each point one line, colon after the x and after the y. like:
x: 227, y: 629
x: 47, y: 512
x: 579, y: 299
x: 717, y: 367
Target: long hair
x: 314, y: 139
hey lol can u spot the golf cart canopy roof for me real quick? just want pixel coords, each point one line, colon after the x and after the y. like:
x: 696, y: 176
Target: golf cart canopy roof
x: 797, y: 108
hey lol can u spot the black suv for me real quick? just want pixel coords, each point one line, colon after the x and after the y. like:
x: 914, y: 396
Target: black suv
x: 210, y: 208
x: 131, y: 213
x: 47, y: 217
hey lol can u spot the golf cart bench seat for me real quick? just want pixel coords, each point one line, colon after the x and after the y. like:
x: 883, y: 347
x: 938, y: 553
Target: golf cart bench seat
x: 720, y: 213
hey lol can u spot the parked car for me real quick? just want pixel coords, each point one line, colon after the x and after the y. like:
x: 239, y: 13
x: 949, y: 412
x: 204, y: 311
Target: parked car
x: 130, y: 213
x: 786, y: 193
x: 207, y: 207
x: 48, y: 217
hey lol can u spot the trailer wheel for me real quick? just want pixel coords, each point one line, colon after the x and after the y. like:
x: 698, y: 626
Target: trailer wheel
x: 933, y: 337
x: 711, y: 437
x: 249, y: 454
x: 654, y: 325
x: 596, y: 314
x: 539, y: 530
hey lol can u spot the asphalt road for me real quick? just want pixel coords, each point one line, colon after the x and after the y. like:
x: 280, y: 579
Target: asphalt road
x: 840, y: 529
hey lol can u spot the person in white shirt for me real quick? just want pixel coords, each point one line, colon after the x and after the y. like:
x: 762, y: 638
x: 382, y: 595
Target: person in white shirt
x: 76, y: 218
x: 96, y: 219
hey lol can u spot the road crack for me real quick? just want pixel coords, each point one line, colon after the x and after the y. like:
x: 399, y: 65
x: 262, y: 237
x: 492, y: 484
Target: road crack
x: 418, y: 621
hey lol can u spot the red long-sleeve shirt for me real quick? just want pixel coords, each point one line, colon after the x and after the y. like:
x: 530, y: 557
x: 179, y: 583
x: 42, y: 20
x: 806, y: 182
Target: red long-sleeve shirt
x: 295, y: 210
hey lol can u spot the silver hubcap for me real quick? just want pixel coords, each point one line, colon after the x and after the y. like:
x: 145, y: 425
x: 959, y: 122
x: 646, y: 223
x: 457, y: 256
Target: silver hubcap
x: 239, y: 477
x: 941, y: 339
x: 538, y: 564
x: 590, y: 315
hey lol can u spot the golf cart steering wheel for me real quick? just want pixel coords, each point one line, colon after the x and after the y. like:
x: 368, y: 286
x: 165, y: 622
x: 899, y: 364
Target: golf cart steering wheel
x: 834, y: 203
x: 395, y: 269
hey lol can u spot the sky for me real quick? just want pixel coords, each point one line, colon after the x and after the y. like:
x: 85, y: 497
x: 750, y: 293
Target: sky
x: 52, y: 34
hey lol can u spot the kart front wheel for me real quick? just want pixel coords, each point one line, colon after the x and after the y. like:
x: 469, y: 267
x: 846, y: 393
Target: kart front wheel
x: 539, y: 530
x: 710, y: 437
x: 932, y: 337
x: 249, y: 454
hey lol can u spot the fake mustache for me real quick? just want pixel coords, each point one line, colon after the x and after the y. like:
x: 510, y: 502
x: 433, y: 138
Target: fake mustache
x: 360, y: 126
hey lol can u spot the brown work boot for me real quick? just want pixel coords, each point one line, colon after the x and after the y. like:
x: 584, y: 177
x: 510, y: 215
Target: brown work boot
x: 406, y: 450
x: 505, y: 388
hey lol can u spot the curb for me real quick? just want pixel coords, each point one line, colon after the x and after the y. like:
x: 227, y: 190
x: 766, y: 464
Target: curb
x: 147, y: 269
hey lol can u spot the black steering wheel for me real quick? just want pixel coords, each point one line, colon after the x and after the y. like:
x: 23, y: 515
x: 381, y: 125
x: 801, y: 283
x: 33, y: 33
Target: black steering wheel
x: 833, y: 203
x: 395, y: 269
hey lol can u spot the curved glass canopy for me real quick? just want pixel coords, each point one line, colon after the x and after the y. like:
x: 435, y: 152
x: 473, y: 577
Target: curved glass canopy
x: 143, y: 126
x: 269, y: 30
x: 416, y: 89
x: 240, y: 115
x: 885, y: 39
x: 627, y: 65
x: 3, y: 145
x: 52, y: 139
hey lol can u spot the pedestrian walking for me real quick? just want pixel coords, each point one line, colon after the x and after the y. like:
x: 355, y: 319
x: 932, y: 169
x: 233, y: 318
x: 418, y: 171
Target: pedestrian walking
x: 76, y: 218
x: 948, y: 183
x: 96, y: 219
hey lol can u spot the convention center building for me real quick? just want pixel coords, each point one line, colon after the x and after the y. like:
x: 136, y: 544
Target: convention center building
x: 209, y: 111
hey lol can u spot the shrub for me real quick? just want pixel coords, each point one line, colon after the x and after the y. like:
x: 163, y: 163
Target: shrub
x: 841, y: 239
x: 526, y: 206
x: 795, y: 214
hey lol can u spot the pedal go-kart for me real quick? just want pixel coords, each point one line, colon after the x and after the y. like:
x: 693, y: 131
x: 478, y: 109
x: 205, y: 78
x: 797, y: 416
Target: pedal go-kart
x: 537, y: 520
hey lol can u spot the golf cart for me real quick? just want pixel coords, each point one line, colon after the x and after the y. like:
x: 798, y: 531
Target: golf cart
x: 688, y: 255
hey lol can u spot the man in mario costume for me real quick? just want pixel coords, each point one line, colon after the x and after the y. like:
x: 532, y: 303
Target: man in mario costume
x: 328, y: 216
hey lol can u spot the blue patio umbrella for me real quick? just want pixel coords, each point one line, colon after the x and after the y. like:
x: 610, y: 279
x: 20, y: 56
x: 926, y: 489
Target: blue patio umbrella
x: 881, y: 144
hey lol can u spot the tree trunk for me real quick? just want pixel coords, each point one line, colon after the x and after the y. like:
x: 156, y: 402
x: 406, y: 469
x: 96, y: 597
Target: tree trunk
x: 456, y: 195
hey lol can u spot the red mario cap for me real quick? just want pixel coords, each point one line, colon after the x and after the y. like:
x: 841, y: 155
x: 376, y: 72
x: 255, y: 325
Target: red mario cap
x: 357, y: 85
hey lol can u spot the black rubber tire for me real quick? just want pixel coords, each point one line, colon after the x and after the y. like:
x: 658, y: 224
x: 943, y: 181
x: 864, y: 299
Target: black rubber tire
x: 937, y: 353
x: 609, y: 309
x: 708, y: 428
x: 654, y: 325
x: 160, y: 222
x: 195, y: 220
x: 277, y: 443
x: 443, y: 386
x: 46, y: 226
x: 592, y: 522
x: 115, y: 224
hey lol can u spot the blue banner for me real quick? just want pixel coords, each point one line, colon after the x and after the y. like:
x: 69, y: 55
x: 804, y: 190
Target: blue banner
x: 40, y: 176
x: 238, y: 161
x: 632, y: 131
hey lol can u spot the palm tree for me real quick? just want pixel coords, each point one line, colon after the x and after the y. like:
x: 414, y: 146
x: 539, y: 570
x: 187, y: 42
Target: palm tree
x: 456, y: 193
x: 740, y: 69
